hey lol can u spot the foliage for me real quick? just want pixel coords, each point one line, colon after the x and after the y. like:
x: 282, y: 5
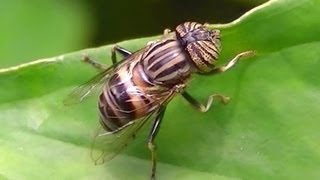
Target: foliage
x: 268, y: 131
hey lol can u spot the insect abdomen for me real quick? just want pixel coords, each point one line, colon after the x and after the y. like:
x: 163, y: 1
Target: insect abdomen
x: 122, y: 101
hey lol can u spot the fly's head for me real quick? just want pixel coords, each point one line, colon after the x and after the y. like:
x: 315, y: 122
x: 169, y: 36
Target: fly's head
x: 201, y: 44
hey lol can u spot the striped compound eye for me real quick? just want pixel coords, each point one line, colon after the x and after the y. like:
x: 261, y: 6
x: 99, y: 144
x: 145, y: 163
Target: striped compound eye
x: 201, y: 43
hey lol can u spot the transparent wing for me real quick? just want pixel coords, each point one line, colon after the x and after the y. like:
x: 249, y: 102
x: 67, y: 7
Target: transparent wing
x: 92, y: 86
x: 107, y: 145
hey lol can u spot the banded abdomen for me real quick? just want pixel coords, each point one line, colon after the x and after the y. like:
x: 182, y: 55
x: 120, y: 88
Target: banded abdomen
x: 124, y: 98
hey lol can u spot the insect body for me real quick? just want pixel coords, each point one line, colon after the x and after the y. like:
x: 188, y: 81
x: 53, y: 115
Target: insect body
x: 139, y: 87
x: 142, y: 86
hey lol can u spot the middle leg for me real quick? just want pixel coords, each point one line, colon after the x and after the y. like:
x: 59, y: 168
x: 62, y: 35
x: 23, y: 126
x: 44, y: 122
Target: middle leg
x: 151, y: 145
x: 124, y: 52
x: 201, y: 107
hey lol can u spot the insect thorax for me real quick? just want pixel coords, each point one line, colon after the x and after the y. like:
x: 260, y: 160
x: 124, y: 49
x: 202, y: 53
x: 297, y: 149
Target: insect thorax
x: 166, y: 63
x: 192, y: 48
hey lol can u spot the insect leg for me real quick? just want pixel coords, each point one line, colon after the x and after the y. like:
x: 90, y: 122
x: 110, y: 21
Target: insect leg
x: 231, y: 63
x: 124, y: 52
x: 201, y: 107
x: 166, y: 31
x: 100, y: 66
x: 152, y: 135
x: 94, y: 63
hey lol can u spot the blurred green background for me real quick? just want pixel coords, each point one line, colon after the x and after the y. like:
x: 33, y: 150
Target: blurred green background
x: 269, y: 130
x: 44, y: 28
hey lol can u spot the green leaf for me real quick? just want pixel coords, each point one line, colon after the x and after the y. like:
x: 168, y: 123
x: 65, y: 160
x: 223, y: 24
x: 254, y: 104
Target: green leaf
x: 269, y: 130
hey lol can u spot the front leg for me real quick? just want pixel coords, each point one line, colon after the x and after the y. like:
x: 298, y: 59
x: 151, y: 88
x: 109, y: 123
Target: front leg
x: 231, y: 63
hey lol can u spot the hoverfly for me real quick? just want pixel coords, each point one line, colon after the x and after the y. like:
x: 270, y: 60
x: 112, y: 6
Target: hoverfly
x: 139, y: 87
